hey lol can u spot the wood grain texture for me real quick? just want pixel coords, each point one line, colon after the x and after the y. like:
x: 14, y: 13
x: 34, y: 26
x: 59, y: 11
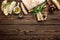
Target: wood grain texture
x: 13, y: 28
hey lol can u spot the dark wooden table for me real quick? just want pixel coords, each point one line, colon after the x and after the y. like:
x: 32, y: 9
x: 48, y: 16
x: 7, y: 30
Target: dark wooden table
x: 13, y: 28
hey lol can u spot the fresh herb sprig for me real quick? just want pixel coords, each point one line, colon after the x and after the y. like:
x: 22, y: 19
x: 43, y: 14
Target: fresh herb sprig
x: 39, y: 8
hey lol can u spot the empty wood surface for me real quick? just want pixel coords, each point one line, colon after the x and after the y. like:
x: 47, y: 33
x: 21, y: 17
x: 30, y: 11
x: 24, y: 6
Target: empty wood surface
x: 13, y: 28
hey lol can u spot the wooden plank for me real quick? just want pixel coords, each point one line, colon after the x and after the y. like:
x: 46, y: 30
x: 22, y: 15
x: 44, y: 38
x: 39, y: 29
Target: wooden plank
x: 29, y: 31
x: 18, y: 22
x: 34, y: 28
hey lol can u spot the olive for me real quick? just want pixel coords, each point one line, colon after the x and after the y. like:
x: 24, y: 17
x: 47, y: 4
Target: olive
x: 53, y: 8
x: 21, y: 16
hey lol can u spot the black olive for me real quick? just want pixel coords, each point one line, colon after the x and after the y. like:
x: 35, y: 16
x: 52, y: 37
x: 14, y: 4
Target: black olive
x: 53, y: 7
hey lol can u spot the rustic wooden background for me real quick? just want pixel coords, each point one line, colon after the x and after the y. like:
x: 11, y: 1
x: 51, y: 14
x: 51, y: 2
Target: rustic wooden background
x: 13, y: 28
